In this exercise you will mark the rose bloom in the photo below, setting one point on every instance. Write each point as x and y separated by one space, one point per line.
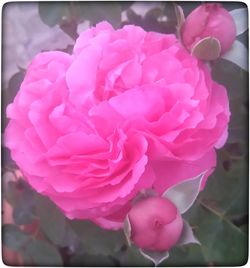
156 224
209 20
127 111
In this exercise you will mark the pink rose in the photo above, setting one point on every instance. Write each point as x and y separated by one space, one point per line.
88 174
209 20
129 110
156 224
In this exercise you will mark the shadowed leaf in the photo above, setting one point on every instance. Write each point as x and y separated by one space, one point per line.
222 242
42 253
53 13
52 221
13 237
97 240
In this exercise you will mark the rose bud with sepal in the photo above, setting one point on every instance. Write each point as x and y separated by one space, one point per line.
208 31
155 224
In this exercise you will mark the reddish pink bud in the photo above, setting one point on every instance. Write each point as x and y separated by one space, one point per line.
155 224
209 20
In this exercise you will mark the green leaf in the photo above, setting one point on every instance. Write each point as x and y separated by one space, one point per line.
70 240
223 201
91 260
21 197
222 243
13 237
188 255
133 18
132 257
42 253
244 228
238 119
235 80
52 221
24 210
10 192
96 240
226 191
9 94
99 11
232 77
52 13
34 252
125 4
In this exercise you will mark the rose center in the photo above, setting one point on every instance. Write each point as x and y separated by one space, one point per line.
158 224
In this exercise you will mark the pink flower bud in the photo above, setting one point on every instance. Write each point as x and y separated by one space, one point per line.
209 20
156 224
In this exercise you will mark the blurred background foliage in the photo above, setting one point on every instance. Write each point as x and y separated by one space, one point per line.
34 230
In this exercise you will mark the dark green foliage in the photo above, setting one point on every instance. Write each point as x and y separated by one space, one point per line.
219 217
33 251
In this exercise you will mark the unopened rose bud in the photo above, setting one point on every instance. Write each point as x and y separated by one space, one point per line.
155 224
209 20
